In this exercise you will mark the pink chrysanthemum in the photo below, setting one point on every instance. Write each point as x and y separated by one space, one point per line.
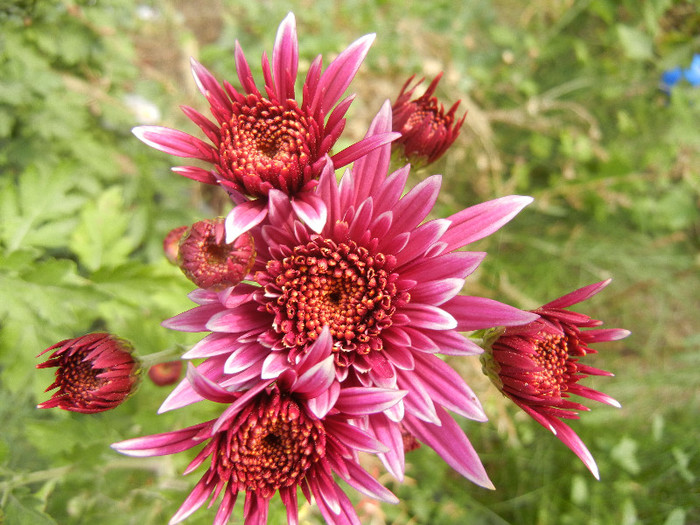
209 261
94 373
427 131
537 365
385 286
265 141
279 436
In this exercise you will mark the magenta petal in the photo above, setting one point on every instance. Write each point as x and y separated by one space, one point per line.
195 173
161 444
196 499
233 409
175 142
353 437
194 320
273 365
578 296
239 319
477 313
321 405
337 77
243 217
363 147
389 433
571 440
360 401
366 484
476 222
449 441
285 59
428 316
436 292
447 387
316 379
207 388
311 209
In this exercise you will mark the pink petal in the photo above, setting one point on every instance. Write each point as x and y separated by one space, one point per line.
428 316
195 173
578 296
210 88
337 77
244 217
311 209
389 433
436 292
449 441
477 313
285 59
353 437
245 77
359 401
207 388
363 147
366 484
175 142
476 222
161 444
194 320
196 499
446 387
371 169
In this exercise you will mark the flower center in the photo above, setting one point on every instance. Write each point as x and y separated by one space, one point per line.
270 446
77 379
557 369
265 146
339 285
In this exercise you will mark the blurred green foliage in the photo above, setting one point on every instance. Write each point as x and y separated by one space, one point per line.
564 104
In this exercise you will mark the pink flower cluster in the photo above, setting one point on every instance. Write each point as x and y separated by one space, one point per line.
326 305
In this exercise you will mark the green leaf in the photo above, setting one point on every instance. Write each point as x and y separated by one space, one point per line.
23 512
38 209
101 240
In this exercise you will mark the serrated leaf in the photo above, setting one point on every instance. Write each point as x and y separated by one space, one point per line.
102 240
20 512
38 208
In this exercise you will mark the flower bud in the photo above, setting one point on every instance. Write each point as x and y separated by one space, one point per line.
95 372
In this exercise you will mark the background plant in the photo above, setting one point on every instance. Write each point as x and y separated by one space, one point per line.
564 104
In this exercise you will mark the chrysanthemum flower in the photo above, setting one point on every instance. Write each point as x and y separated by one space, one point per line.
537 365
385 285
427 131
95 372
279 436
265 141
209 261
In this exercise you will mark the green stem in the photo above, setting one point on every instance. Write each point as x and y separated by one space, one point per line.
169 354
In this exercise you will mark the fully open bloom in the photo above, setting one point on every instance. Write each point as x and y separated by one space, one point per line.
209 261
264 141
385 285
537 365
427 131
94 373
278 436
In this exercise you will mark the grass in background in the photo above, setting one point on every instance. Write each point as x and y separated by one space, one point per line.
564 105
